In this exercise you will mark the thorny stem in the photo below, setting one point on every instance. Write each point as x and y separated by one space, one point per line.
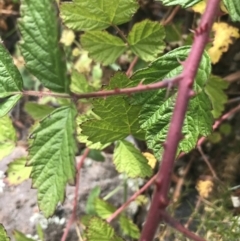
150 182
175 224
132 198
105 93
75 203
160 196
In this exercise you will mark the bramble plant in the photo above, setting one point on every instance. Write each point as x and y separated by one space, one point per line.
170 103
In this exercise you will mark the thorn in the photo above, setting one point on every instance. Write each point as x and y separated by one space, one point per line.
163 202
158 183
181 62
164 145
192 31
141 82
192 93
117 90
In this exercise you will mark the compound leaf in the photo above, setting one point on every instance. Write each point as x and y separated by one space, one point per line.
3 234
102 46
10 81
130 160
146 39
8 136
100 230
18 172
214 90
117 118
158 106
183 3
233 8
52 157
81 15
40 44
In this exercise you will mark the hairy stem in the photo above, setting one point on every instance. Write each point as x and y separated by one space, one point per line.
160 196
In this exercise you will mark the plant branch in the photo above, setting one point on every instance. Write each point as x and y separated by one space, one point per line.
120 32
75 203
105 93
160 197
132 198
131 90
175 224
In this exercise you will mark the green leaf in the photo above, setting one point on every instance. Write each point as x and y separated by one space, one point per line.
103 209
3 234
84 138
8 136
96 155
10 78
233 8
183 3
97 14
52 157
128 227
130 160
40 44
214 90
93 195
79 83
20 236
10 81
117 118
18 172
102 46
7 103
100 230
158 106
37 111
146 39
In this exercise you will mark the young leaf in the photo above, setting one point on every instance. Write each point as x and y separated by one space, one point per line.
233 8
130 160
40 47
36 111
157 108
18 172
117 118
214 90
20 236
52 157
128 227
93 195
100 230
3 234
8 136
79 83
146 39
103 208
10 81
102 46
183 3
81 15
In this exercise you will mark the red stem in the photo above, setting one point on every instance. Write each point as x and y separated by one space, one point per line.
75 203
175 224
160 196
